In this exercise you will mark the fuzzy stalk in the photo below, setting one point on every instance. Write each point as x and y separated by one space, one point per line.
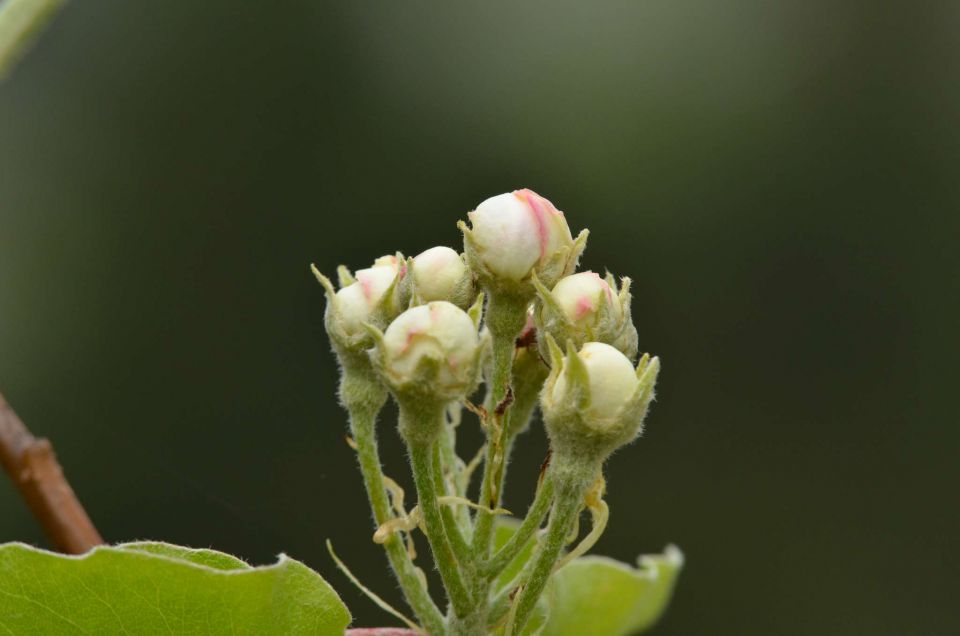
450 525
531 523
452 463
506 316
570 488
363 396
417 421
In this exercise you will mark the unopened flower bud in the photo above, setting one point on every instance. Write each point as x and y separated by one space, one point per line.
430 350
373 295
439 273
595 400
390 260
586 308
516 233
357 301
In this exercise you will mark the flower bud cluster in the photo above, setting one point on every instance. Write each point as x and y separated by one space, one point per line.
519 247
411 328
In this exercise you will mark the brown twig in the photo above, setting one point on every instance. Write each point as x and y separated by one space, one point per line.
33 468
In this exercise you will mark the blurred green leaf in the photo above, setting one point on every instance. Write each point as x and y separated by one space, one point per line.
601 596
147 588
20 22
505 529
597 595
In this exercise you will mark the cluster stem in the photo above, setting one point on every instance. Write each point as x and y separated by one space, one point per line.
363 396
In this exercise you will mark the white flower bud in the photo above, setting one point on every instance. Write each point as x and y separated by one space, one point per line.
594 400
584 307
432 349
612 382
439 273
515 233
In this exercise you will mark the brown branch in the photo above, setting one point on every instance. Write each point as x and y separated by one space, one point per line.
33 468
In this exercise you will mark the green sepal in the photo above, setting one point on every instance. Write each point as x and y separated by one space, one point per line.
344 276
577 376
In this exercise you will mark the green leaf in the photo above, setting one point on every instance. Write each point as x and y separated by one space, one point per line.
209 558
597 595
157 588
506 526
600 596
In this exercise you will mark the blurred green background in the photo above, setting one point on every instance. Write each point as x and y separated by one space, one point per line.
780 180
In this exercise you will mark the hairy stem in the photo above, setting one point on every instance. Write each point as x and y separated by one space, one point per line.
450 525
566 507
451 463
421 459
491 486
531 523
360 393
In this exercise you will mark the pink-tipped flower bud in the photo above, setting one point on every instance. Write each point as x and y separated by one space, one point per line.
430 349
357 301
374 295
514 234
584 307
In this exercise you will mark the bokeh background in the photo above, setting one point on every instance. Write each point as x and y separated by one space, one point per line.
780 180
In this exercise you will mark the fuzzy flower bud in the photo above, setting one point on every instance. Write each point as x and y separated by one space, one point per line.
586 308
595 400
439 273
373 295
430 350
517 233
357 300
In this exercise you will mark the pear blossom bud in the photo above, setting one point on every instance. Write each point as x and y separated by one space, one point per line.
595 400
357 301
515 233
374 295
432 350
439 273
389 260
612 381
584 307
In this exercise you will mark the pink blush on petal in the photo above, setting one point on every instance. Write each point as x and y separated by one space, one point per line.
366 285
584 307
539 207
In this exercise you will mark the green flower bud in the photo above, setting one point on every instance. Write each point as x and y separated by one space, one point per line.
586 308
439 273
594 400
515 234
